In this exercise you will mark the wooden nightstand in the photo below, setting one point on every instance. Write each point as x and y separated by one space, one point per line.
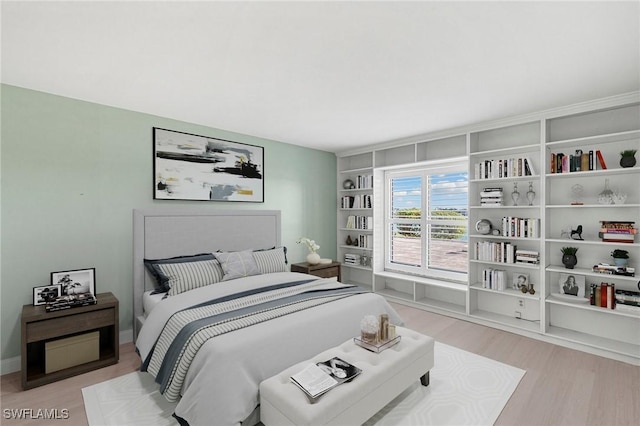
322 270
41 328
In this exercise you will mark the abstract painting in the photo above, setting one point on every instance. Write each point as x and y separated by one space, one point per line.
192 167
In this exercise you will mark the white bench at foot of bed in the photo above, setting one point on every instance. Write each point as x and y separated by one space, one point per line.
384 376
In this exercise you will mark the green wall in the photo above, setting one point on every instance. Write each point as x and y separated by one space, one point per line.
72 173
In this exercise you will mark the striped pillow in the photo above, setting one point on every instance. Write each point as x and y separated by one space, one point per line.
270 261
190 275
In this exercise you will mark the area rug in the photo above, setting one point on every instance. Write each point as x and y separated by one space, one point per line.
465 389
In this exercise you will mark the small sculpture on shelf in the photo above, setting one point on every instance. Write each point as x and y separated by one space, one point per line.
348 184
576 234
349 241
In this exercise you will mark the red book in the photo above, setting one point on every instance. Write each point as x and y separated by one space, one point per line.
603 295
603 165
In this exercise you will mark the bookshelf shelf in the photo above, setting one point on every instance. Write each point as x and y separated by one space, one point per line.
508 265
528 325
508 292
623 348
505 151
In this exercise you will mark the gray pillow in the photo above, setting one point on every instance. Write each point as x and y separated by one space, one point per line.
237 264
190 275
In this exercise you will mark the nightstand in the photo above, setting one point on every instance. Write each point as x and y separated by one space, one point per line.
322 270
75 340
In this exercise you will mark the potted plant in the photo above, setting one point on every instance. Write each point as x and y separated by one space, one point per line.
627 158
569 258
620 257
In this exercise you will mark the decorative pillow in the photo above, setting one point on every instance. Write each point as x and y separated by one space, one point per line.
272 260
162 281
190 275
237 264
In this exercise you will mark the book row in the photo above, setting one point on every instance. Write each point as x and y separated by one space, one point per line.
520 227
504 168
579 161
362 201
364 182
362 240
494 279
504 252
359 222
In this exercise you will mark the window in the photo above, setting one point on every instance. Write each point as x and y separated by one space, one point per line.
426 212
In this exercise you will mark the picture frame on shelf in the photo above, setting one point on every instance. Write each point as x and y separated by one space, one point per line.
78 281
572 285
203 168
46 294
520 279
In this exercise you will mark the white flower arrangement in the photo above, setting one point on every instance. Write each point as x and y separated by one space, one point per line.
370 324
311 244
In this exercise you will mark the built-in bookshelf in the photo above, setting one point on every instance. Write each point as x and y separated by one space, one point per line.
535 205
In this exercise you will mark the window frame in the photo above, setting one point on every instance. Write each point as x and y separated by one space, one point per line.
422 171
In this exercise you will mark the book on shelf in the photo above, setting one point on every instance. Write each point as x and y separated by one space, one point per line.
617 231
602 296
491 196
605 268
601 162
351 259
317 379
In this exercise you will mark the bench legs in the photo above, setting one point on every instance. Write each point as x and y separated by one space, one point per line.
425 379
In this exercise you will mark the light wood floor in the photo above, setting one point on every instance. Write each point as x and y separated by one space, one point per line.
561 386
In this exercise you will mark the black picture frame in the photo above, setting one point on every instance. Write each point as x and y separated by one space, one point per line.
203 168
46 294
77 281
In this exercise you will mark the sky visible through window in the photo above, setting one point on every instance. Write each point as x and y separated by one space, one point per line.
448 191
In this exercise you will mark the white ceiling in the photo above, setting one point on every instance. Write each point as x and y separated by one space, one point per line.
327 75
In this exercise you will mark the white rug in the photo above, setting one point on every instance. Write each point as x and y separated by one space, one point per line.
465 389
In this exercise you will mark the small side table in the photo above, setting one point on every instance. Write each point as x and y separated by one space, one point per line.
322 270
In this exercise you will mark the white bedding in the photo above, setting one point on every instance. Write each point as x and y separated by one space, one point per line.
221 386
150 300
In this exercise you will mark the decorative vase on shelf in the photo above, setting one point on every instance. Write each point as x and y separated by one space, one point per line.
606 196
569 260
515 195
349 241
628 158
531 194
313 258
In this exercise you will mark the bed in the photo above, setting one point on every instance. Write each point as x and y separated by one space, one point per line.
261 324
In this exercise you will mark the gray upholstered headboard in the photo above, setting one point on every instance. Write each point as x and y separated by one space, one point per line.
166 232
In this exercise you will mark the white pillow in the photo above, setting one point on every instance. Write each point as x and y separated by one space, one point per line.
237 264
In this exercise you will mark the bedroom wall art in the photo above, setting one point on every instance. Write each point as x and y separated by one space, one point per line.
193 167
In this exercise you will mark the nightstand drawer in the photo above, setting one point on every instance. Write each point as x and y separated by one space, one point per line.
327 272
56 327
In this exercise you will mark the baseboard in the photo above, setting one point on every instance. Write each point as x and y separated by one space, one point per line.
11 365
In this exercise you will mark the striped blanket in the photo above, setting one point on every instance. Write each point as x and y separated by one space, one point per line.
189 329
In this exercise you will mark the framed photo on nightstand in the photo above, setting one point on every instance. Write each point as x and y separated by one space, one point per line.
79 281
46 294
